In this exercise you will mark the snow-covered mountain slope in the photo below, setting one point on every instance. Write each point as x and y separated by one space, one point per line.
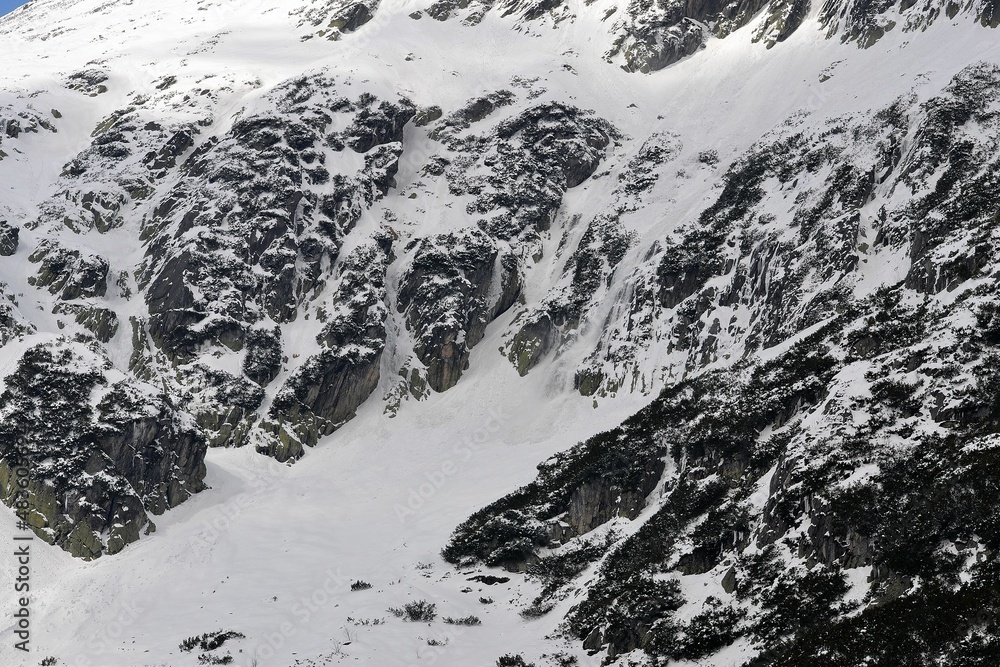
291 291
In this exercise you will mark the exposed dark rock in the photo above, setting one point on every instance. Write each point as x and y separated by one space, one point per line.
101 322
536 338
783 18
69 273
326 390
445 294
225 405
599 251
533 158
166 157
95 471
659 44
262 362
427 115
89 82
352 18
12 323
474 111
989 13
172 309
8 238
336 18
375 125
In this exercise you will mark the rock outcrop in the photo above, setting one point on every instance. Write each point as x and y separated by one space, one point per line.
761 473
326 390
100 454
455 286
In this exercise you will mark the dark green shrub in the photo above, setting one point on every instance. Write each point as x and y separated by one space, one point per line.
420 611
465 620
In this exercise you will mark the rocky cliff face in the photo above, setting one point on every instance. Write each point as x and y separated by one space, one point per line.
100 452
646 35
762 478
796 295
328 387
456 286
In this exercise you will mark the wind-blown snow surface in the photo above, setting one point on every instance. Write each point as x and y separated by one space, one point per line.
270 550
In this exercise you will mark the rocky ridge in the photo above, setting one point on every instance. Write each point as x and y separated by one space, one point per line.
769 467
222 259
